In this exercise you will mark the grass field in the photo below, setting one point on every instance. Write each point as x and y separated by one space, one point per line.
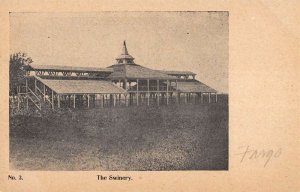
184 137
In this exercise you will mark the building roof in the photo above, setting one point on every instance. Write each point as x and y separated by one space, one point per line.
193 86
177 72
82 86
68 68
134 71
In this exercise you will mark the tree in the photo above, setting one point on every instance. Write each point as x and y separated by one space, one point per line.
17 63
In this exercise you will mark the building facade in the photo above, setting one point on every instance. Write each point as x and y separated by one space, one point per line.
124 83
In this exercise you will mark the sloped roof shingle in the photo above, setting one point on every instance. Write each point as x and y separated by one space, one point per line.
193 87
69 68
177 72
134 71
82 86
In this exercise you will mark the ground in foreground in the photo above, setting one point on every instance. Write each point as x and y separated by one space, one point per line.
184 137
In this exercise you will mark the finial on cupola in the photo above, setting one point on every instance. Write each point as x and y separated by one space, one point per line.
125 51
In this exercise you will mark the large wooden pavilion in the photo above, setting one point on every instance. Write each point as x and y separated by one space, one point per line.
122 84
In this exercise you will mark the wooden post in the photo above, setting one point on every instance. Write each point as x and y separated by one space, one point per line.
194 97
35 85
148 94
74 101
125 84
52 96
167 92
58 101
126 103
186 97
157 92
94 99
26 83
18 98
216 98
88 100
101 100
27 104
137 92
111 100
201 97
177 95
208 97
44 93
114 99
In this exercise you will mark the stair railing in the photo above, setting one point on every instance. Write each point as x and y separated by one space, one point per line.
44 96
39 105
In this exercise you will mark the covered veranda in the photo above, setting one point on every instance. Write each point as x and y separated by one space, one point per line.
66 93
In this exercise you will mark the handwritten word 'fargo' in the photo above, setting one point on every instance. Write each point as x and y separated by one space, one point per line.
262 154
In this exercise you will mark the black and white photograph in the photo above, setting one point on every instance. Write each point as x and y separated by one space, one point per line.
119 91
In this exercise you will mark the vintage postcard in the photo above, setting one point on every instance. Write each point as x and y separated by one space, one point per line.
82 98
149 100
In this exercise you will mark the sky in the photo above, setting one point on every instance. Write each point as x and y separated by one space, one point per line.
189 41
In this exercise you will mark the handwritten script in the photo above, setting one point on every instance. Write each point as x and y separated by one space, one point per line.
265 155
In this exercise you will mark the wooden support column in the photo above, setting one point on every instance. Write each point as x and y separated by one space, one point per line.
27 104
126 103
137 92
186 97
101 100
111 100
148 94
129 98
52 97
18 99
74 101
114 99
208 97
35 85
125 84
157 95
88 100
216 98
26 83
95 97
44 93
201 97
58 101
177 95
167 92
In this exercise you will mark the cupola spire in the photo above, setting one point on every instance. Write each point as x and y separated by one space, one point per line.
125 51
125 58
